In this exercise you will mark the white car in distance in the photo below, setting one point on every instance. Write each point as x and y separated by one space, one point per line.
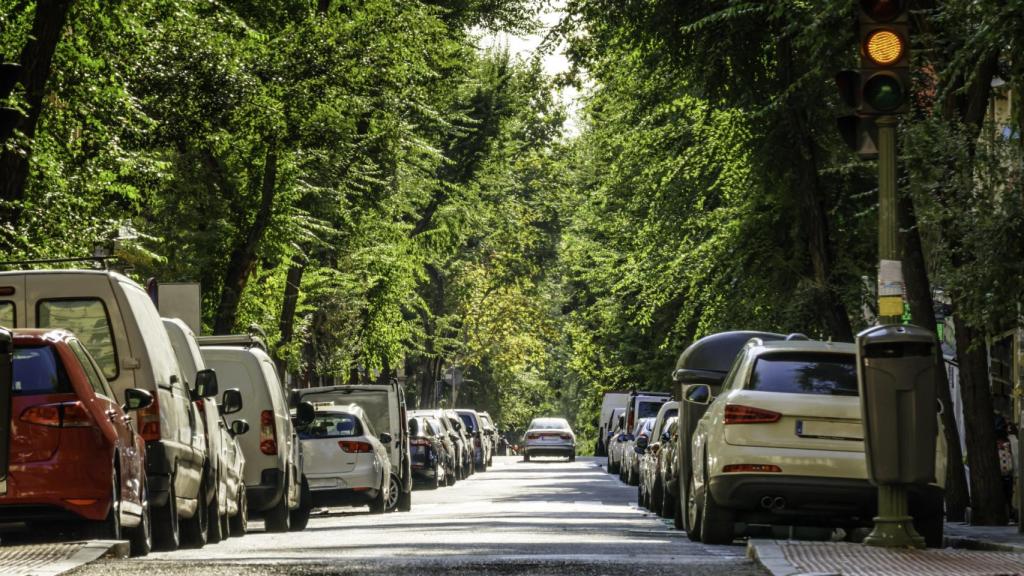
549 437
345 459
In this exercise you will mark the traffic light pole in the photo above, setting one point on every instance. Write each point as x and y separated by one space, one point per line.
894 527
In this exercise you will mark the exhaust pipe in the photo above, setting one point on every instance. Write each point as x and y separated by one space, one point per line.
766 502
778 503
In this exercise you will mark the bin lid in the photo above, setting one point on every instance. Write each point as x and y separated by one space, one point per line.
896 333
715 353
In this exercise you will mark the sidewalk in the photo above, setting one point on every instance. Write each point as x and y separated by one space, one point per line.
58 558
970 551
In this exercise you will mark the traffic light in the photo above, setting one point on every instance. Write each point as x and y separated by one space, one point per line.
9 117
884 57
858 130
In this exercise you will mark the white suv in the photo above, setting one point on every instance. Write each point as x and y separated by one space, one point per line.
783 444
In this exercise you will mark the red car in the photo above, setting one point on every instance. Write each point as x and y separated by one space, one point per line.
74 455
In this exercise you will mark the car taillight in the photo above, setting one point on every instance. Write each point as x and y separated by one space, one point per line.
149 421
565 436
355 446
739 414
268 433
532 436
419 442
61 415
751 468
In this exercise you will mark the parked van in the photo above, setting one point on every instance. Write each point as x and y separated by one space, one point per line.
612 404
643 405
384 404
119 325
274 483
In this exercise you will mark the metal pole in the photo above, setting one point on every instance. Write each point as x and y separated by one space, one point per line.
894 527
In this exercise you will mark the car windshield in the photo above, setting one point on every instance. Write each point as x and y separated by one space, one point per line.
331 425
549 424
647 409
805 373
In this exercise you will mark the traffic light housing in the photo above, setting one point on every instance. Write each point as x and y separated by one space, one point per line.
884 41
9 117
858 130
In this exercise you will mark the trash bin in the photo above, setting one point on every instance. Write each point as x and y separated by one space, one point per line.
896 379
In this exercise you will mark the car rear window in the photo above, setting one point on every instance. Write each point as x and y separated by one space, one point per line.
88 319
38 371
801 373
648 409
549 424
469 421
332 425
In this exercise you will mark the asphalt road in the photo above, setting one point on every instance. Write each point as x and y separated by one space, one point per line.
544 517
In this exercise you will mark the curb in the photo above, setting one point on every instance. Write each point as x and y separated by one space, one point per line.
769 555
89 552
967 543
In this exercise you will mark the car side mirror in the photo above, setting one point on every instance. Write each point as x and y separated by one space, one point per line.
665 436
136 399
304 413
641 444
239 427
384 438
698 394
231 401
206 383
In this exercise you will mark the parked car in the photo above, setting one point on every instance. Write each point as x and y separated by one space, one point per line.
75 454
431 462
650 490
463 441
612 404
346 458
783 444
629 471
115 319
549 437
384 405
490 434
606 432
616 442
481 448
449 442
233 464
274 480
669 472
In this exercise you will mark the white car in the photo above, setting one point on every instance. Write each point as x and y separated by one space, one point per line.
549 437
346 460
783 445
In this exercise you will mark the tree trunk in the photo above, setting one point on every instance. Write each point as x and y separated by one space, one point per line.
292 284
243 257
922 310
988 507
36 60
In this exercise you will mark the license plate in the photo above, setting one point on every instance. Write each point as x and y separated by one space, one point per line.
829 430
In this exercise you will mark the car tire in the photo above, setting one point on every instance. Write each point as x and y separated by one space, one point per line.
166 523
110 527
404 501
379 504
655 496
929 518
693 513
717 524
394 490
240 522
196 530
613 467
300 516
141 537
526 457
640 500
278 518
214 530
668 503
677 514
572 457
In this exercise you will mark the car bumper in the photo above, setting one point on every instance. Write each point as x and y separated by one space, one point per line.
343 497
550 448
267 493
39 491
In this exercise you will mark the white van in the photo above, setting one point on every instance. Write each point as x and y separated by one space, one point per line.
118 323
384 404
274 483
611 403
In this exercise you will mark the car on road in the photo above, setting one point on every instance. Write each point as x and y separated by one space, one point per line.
474 428
650 490
549 437
432 464
668 470
629 470
490 433
75 454
783 444
274 481
346 458
117 322
384 406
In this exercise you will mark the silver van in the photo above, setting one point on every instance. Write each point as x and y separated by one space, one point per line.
275 487
116 320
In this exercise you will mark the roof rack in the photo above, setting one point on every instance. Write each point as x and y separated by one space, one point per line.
243 340
100 260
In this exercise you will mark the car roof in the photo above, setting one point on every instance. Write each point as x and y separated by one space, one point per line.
353 409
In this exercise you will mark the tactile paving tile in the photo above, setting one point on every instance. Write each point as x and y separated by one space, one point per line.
18 559
859 560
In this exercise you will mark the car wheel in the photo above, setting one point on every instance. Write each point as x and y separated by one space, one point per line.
572 456
717 524
613 467
240 522
435 482
166 526
214 532
379 504
404 501
526 457
693 519
300 516
655 496
640 502
668 502
393 491
141 537
278 518
195 530
110 527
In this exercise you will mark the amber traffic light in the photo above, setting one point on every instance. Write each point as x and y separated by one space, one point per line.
884 57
